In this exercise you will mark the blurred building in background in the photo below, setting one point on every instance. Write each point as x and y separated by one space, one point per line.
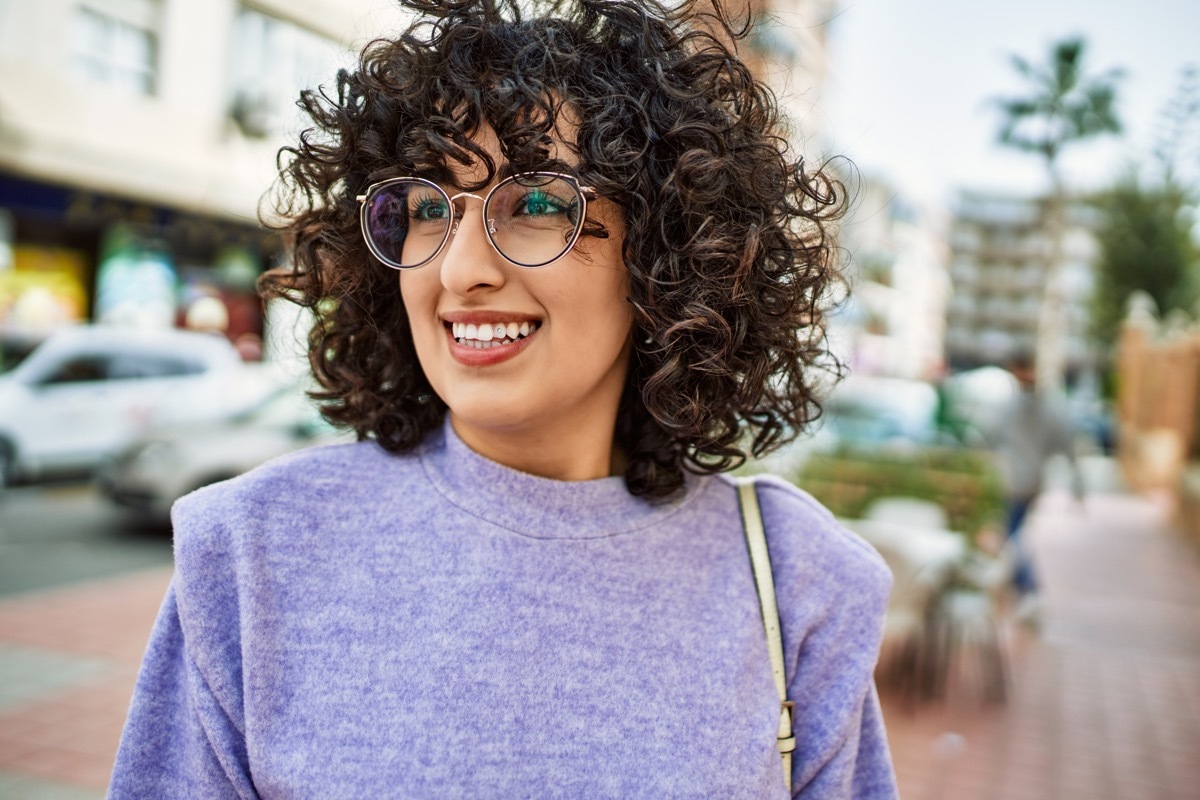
894 322
999 277
787 48
136 140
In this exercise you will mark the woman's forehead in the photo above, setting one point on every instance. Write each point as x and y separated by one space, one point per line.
559 157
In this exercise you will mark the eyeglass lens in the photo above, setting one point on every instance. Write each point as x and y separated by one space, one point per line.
531 219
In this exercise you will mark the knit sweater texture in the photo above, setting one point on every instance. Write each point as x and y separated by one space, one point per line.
348 623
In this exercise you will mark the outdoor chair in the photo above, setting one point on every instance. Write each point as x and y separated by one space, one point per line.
908 511
923 561
942 624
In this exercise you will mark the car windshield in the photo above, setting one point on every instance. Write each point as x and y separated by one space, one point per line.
14 349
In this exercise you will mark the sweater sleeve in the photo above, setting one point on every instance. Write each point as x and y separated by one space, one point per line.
178 740
857 766
838 717
833 589
185 733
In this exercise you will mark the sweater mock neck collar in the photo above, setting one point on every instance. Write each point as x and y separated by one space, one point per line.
539 507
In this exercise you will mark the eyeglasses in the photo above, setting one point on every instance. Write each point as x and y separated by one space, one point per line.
532 219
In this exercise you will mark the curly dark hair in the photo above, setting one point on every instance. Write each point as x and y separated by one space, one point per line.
732 268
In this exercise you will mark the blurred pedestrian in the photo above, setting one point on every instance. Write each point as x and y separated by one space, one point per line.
1034 427
563 272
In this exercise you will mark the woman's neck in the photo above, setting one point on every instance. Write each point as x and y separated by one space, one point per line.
558 452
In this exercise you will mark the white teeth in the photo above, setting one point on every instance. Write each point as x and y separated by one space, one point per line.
491 334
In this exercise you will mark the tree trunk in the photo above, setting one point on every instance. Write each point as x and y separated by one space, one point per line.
1052 323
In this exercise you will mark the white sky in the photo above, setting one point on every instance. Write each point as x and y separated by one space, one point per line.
910 83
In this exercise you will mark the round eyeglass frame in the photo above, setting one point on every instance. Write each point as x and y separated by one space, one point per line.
489 225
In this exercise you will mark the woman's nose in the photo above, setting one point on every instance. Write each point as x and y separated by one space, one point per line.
469 262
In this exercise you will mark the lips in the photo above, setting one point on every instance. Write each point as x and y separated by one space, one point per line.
479 339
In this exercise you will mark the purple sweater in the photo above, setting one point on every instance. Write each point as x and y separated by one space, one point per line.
345 623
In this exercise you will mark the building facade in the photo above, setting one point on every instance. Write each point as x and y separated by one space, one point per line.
894 251
137 138
787 48
999 274
894 321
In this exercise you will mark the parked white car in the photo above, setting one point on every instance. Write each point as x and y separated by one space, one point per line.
154 472
87 392
16 344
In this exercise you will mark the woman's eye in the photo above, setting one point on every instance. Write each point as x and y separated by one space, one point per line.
538 204
429 211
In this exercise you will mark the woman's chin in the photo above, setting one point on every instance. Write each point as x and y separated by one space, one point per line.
484 419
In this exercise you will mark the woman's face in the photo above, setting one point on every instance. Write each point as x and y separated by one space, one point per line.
559 383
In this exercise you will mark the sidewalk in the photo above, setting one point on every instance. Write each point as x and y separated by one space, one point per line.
1105 702
68 661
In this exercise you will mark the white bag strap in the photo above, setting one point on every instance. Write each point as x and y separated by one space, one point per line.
760 561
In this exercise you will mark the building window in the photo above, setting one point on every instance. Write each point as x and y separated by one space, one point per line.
272 61
115 42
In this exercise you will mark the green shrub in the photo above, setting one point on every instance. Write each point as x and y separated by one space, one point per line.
963 482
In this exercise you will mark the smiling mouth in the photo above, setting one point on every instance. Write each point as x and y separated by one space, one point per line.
493 334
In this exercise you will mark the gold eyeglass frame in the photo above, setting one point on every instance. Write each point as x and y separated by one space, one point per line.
585 193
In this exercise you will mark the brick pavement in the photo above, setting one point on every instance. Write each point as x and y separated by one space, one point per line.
1104 702
68 661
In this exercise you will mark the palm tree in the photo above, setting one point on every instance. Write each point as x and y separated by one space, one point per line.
1063 106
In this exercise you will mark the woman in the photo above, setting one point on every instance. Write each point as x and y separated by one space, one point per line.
561 274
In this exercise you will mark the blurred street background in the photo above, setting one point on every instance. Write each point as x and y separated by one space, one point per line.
1024 181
